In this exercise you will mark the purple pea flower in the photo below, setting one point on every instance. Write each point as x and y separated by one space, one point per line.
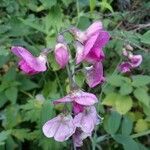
28 63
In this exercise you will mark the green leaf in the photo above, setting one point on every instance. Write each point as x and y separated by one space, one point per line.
145 38
47 112
12 117
141 125
92 5
140 80
48 3
110 99
21 134
27 84
3 136
125 89
127 142
11 93
116 80
123 104
80 78
142 96
113 122
10 75
127 125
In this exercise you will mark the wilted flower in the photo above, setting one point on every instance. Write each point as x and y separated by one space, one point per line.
79 136
61 54
28 63
87 120
125 67
133 61
92 40
60 127
94 74
80 97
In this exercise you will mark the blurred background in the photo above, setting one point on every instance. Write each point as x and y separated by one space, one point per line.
25 100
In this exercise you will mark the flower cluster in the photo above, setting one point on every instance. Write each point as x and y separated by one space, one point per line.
132 61
89 44
81 126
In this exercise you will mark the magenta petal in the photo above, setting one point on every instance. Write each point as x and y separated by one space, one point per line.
102 39
94 74
77 108
22 52
26 68
61 54
84 98
125 67
93 28
90 43
65 99
36 64
60 127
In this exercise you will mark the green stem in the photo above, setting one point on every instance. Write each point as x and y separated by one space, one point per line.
59 84
78 11
140 134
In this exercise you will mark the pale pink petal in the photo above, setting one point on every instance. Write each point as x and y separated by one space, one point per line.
65 99
135 60
93 28
79 52
65 130
84 98
86 120
61 54
60 127
50 127
94 74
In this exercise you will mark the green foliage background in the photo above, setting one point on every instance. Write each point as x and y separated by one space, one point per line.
124 100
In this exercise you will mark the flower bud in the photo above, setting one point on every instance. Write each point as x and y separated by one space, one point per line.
61 54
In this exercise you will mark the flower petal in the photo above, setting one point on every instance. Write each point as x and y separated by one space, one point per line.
135 60
84 98
93 28
65 130
51 127
94 74
65 99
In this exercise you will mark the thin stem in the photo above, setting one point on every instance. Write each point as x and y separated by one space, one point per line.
59 84
140 134
28 94
78 11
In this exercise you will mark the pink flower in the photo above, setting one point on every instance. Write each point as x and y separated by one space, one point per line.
61 54
87 120
94 74
135 60
60 127
92 41
28 63
80 97
79 136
